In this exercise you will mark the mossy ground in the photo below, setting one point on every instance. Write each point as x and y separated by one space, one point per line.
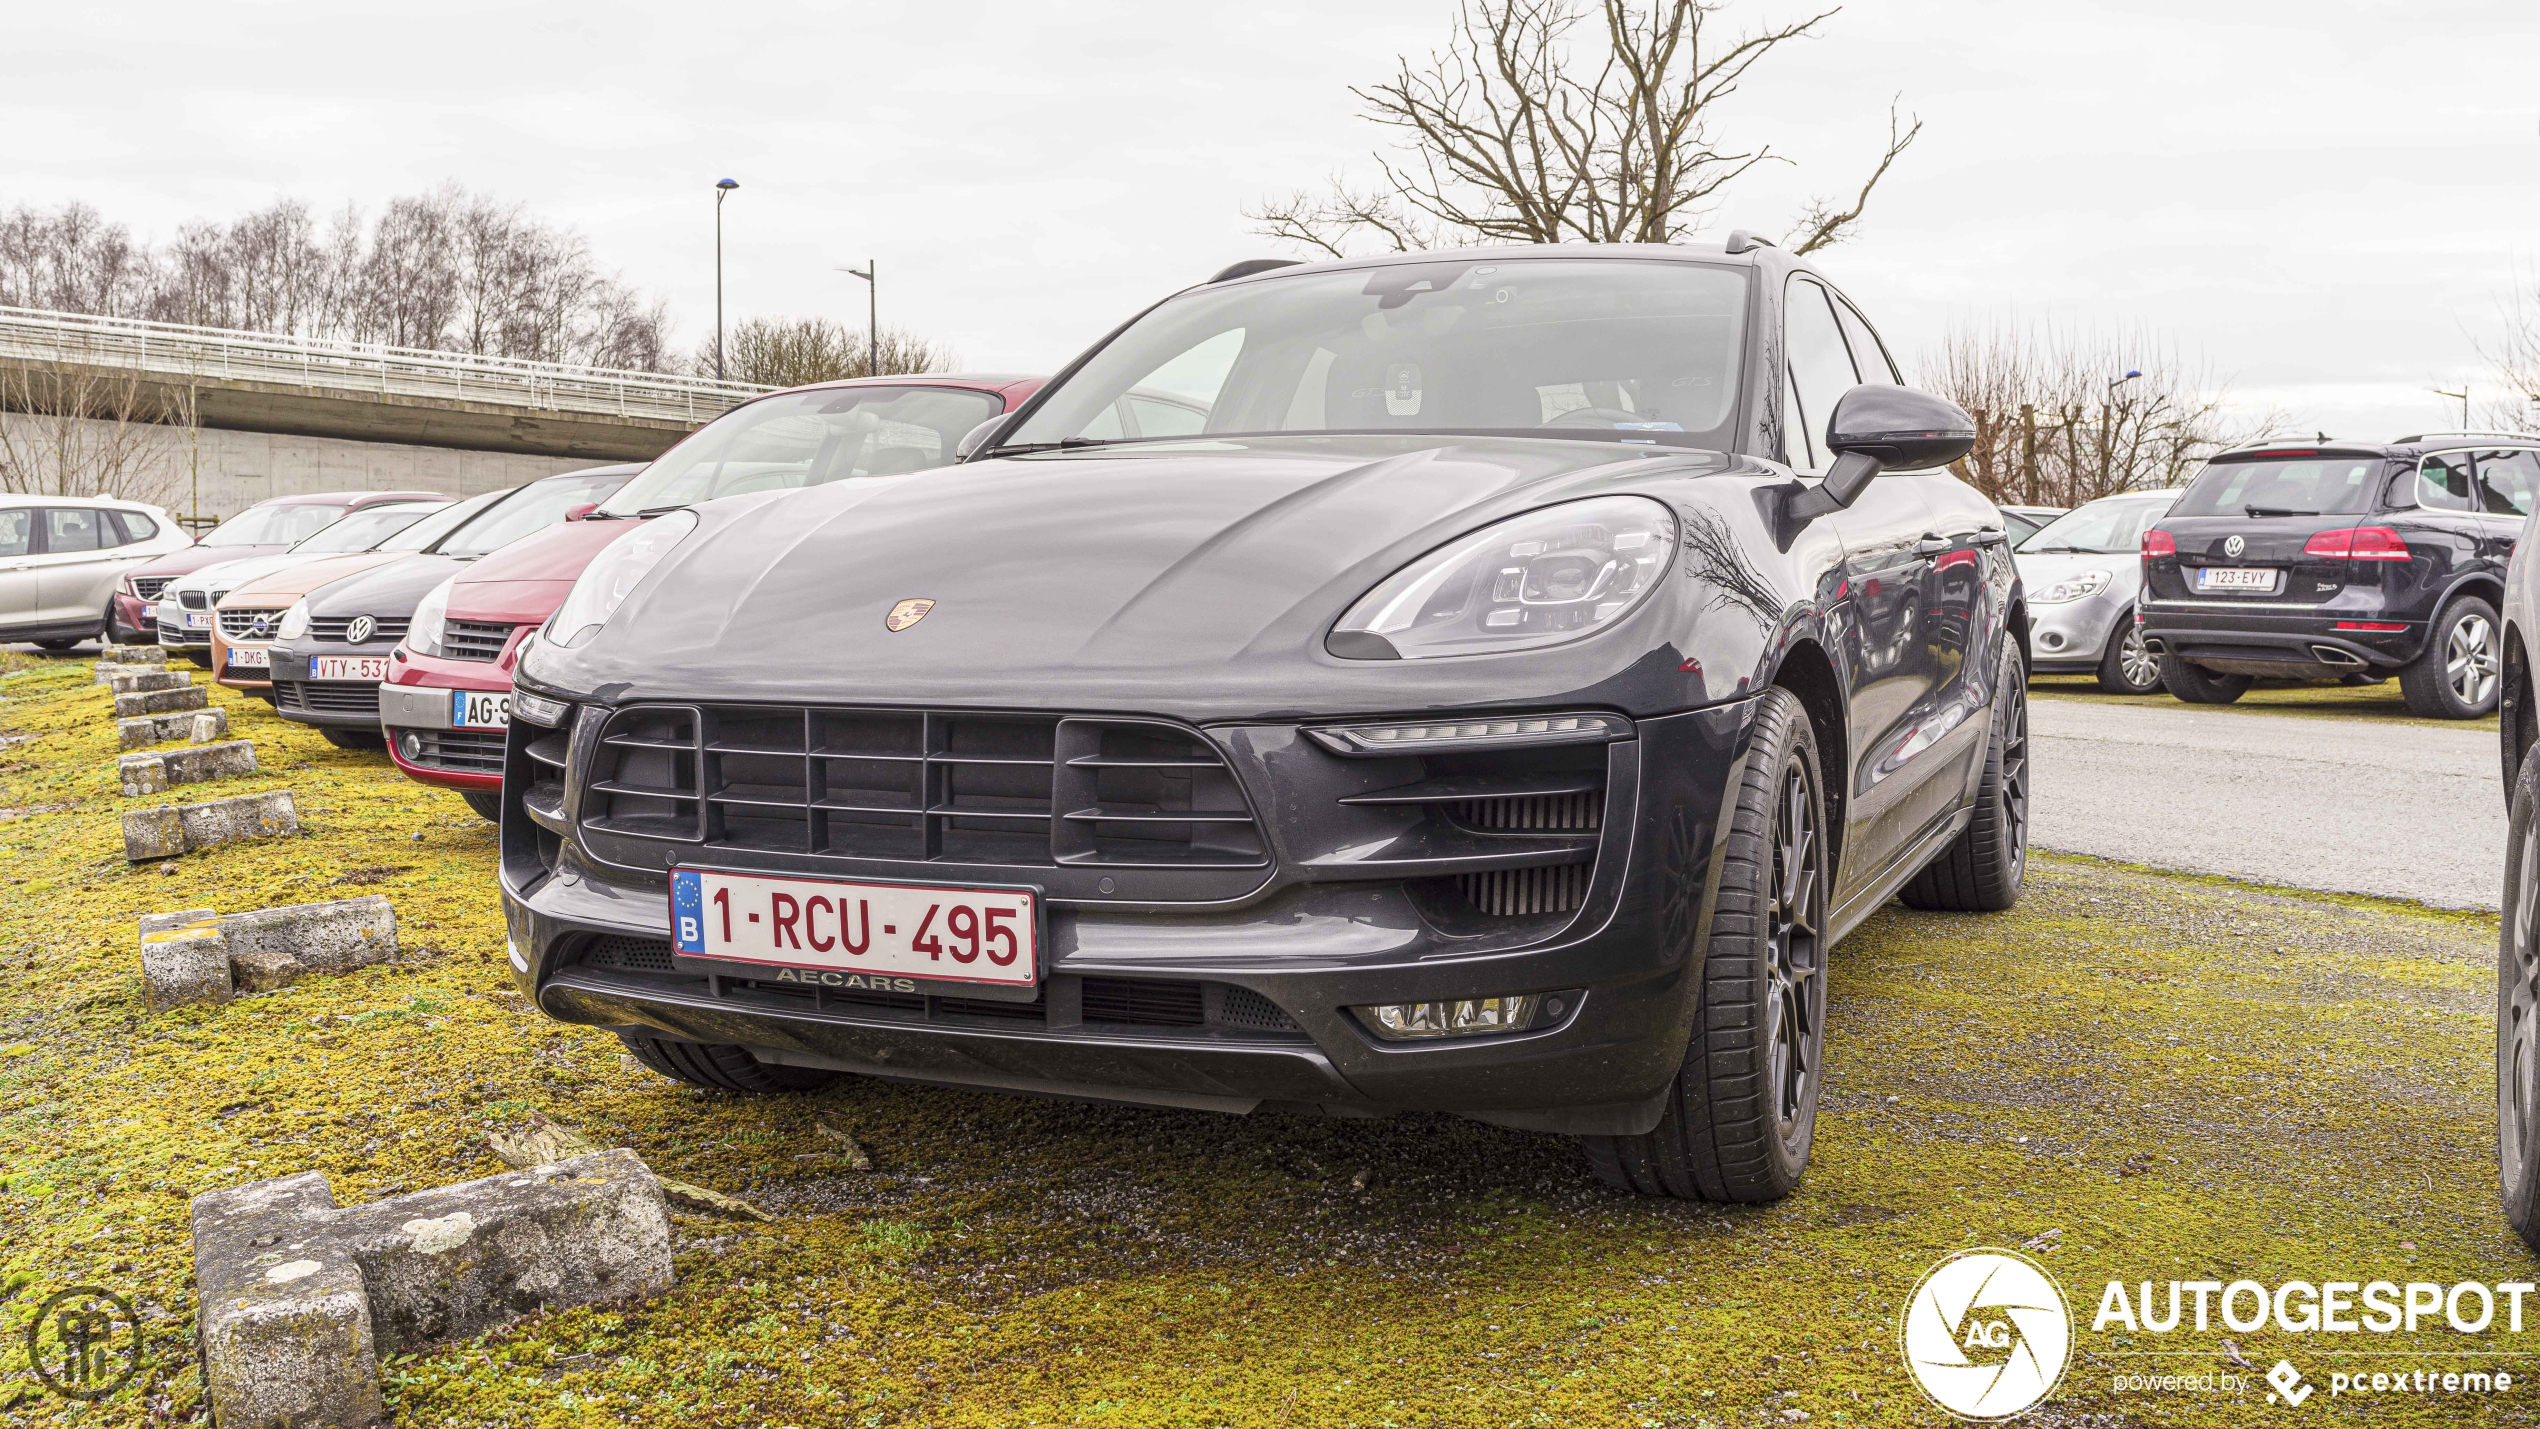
2300 698
2186 1078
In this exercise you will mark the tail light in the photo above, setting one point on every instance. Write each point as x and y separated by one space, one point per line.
2157 542
2362 543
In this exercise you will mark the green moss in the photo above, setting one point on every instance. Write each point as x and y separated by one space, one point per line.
2184 1077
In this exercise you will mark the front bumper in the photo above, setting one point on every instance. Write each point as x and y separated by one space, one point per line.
174 635
328 704
1625 966
130 620
417 713
2307 645
2073 636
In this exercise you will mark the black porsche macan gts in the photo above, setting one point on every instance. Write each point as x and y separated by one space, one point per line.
1497 697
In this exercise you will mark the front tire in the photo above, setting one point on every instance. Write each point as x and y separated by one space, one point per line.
721 1068
2199 686
350 738
2518 1011
488 806
1980 871
2128 668
2458 675
1741 1113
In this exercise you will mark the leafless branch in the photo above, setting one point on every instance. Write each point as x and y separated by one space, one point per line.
1821 225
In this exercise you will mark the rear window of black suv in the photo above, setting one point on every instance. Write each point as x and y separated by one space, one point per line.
2308 484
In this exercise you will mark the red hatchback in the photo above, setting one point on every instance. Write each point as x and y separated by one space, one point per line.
447 700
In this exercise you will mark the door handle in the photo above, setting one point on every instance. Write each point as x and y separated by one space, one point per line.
1930 545
1992 538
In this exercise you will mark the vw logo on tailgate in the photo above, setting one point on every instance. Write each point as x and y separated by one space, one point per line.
2234 546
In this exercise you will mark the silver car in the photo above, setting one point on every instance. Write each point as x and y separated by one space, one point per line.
61 555
2083 572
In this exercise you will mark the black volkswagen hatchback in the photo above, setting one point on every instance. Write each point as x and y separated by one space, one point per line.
1500 705
2342 561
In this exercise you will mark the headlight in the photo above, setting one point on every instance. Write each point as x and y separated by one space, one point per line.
1539 579
2072 588
613 574
295 622
431 621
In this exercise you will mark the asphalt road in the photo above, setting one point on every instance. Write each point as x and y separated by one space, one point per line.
2402 811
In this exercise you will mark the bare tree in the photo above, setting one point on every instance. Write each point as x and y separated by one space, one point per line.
789 352
71 428
72 261
1521 132
2515 362
2059 422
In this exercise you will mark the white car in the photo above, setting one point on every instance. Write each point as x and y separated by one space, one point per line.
60 557
184 621
2083 572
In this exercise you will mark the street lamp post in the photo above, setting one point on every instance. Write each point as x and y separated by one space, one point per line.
2461 397
872 316
722 190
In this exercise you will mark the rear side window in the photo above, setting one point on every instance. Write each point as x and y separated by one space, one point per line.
136 527
2444 483
2507 481
17 524
1867 354
2282 486
75 528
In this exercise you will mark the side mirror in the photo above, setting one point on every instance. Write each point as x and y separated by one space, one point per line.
976 438
576 513
1879 428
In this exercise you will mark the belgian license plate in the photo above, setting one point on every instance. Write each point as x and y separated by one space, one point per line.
196 619
348 667
2261 579
250 657
480 709
833 933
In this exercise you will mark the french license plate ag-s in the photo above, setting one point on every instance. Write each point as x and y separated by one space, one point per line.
841 933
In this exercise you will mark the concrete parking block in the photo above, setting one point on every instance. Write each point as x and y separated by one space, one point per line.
125 683
301 1299
261 951
197 726
185 965
153 702
206 726
133 655
142 773
152 771
174 829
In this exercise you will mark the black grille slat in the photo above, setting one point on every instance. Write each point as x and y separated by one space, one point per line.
650 955
1246 1008
148 587
474 639
360 699
332 628
241 624
1138 1003
1533 814
194 599
461 751
1525 892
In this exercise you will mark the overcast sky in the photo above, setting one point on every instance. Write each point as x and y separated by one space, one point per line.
2327 203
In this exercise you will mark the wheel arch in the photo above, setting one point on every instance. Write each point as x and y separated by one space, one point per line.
2517 723
1808 673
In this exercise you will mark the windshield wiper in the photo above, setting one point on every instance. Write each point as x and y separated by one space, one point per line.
2063 550
2276 511
595 514
649 512
1062 444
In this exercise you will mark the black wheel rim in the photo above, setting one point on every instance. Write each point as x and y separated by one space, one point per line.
2518 1014
2014 718
1795 991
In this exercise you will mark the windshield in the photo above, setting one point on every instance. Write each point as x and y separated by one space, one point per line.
274 524
364 530
1557 347
2282 486
440 523
2110 526
534 507
810 439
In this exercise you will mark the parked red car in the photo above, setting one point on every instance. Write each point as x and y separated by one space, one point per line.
267 528
447 700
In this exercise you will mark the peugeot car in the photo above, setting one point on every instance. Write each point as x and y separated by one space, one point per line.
2083 572
1500 706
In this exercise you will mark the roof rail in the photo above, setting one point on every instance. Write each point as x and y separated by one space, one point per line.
2468 432
1250 266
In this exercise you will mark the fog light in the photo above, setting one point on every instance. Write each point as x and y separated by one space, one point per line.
1465 1017
412 744
538 709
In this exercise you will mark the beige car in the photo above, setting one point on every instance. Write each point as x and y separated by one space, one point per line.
248 615
60 557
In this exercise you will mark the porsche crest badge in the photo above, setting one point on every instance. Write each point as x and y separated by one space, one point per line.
906 614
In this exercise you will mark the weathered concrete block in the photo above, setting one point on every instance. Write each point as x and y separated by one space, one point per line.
107 673
206 726
144 680
272 948
209 761
143 773
132 655
301 1299
198 726
174 829
151 702
185 964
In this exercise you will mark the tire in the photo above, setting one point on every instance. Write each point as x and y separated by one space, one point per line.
1741 1113
1981 870
721 1068
351 738
2128 668
488 806
2518 1011
2198 685
56 647
2460 672
200 657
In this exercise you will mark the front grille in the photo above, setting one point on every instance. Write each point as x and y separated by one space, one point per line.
148 587
327 698
177 635
332 627
241 624
1246 1008
194 599
923 786
465 751
1538 813
1143 1004
474 640
1524 892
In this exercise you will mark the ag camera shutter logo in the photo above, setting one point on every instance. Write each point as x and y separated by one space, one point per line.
1986 1334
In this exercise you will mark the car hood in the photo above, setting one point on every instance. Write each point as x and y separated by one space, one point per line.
392 590
1129 577
292 580
2040 569
557 553
195 558
229 575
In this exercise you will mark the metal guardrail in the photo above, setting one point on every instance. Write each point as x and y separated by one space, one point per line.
219 354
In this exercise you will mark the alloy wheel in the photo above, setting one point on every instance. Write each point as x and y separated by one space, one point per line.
2141 668
1795 995
2469 660
2518 1019
2014 717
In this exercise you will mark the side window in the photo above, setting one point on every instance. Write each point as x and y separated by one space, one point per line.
136 527
17 524
74 528
2507 481
1820 365
1867 354
1158 418
2443 482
